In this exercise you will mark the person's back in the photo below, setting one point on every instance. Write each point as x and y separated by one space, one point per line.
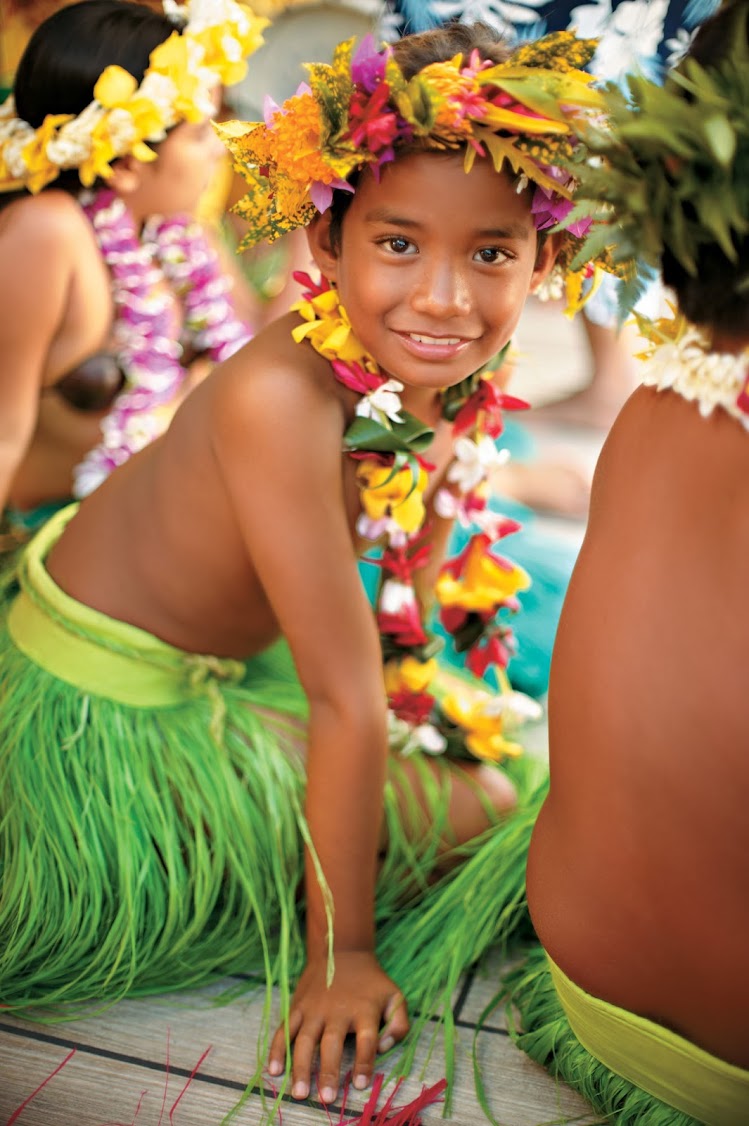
107 282
639 862
639 865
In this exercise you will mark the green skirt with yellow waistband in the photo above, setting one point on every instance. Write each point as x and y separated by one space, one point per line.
151 825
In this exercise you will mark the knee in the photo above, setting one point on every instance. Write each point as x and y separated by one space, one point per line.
480 794
497 788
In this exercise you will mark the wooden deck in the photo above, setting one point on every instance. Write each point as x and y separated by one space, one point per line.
184 1060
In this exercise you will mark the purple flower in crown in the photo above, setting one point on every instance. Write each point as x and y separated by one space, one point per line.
368 64
549 208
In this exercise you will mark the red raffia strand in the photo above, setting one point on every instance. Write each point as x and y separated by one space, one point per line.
192 1075
17 1113
389 1115
166 1078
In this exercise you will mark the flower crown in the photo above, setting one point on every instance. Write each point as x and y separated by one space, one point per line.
670 166
359 111
182 73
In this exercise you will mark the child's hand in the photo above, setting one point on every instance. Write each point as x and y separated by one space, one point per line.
361 1000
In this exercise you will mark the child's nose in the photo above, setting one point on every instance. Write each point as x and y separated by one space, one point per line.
441 290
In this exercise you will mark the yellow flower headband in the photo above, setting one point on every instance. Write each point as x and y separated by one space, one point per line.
359 111
182 74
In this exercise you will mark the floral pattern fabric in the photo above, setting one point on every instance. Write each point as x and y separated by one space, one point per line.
636 36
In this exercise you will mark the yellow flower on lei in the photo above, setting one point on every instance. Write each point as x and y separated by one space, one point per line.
329 330
409 675
385 493
485 582
473 711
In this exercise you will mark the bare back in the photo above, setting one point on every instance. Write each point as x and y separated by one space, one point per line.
55 293
639 865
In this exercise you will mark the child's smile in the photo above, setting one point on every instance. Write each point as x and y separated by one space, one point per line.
435 265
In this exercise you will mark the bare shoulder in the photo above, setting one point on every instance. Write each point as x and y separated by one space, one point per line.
274 384
50 220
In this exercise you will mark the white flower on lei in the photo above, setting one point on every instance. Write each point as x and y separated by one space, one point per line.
396 596
406 739
383 403
515 708
628 36
492 524
474 461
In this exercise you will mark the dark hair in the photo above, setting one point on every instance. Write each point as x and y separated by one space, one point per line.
413 53
68 52
716 295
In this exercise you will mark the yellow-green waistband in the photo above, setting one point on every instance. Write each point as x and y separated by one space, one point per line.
655 1059
94 652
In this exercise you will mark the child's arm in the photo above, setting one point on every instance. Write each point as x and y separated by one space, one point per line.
283 472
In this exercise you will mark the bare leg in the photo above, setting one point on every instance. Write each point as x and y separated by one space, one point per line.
478 795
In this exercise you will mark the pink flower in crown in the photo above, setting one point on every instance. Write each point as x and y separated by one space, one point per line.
503 100
549 208
373 126
368 64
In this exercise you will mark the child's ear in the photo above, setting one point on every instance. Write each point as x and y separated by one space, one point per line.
545 259
321 246
125 178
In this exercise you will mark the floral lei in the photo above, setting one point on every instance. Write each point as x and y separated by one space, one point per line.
174 249
472 589
679 358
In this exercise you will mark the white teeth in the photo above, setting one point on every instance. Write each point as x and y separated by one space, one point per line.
434 339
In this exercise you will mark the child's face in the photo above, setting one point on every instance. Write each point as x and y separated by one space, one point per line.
175 181
435 265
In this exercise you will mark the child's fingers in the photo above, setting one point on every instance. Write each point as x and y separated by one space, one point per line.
303 1055
366 1048
396 1023
331 1050
277 1053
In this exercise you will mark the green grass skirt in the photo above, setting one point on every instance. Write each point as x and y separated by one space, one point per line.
148 848
544 1033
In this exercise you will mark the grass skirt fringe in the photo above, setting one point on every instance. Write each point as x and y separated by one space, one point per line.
154 848
545 1035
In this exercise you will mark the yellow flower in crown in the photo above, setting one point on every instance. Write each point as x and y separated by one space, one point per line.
178 60
409 675
41 170
477 581
179 85
454 93
388 492
132 117
479 715
226 46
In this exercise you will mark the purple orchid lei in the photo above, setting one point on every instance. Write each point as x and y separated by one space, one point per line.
147 338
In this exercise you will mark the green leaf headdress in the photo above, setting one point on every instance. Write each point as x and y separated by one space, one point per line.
669 168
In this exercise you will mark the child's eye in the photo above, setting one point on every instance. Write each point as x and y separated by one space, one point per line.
399 245
490 254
